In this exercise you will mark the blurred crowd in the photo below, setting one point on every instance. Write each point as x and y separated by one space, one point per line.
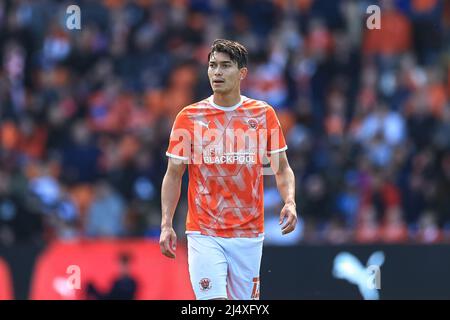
85 114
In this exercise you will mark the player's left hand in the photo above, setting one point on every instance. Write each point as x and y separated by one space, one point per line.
288 214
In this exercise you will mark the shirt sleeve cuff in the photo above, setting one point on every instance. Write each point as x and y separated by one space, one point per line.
278 150
176 157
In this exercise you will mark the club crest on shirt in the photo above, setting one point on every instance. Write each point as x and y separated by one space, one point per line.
252 123
205 284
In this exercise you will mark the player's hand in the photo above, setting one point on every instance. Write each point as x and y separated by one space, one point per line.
168 242
289 216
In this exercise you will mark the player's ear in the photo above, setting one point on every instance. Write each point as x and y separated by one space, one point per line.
243 72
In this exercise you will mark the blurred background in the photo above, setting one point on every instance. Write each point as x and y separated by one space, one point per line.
85 117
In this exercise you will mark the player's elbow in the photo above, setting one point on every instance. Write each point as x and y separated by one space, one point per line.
173 176
284 171
283 168
175 170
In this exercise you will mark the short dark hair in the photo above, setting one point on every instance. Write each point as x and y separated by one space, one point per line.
237 52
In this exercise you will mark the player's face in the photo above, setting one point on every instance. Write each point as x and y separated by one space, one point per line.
224 74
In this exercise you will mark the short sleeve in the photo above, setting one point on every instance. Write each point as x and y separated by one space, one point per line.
275 138
180 138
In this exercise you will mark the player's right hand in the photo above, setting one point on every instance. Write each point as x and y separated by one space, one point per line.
168 242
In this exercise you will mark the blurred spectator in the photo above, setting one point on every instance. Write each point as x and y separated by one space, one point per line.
80 158
381 195
20 222
66 218
387 125
336 231
427 29
368 227
428 231
106 214
442 190
394 228
420 121
315 201
348 199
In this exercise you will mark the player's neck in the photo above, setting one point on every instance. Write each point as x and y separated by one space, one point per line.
227 100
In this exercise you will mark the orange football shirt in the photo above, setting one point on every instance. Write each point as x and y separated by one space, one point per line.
227 151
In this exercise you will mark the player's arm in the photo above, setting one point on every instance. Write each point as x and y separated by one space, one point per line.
170 194
286 187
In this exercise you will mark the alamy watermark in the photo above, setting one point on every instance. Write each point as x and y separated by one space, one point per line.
374 20
373 277
367 277
73 21
205 145
74 279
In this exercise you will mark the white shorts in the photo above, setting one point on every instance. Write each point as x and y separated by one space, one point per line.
224 267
